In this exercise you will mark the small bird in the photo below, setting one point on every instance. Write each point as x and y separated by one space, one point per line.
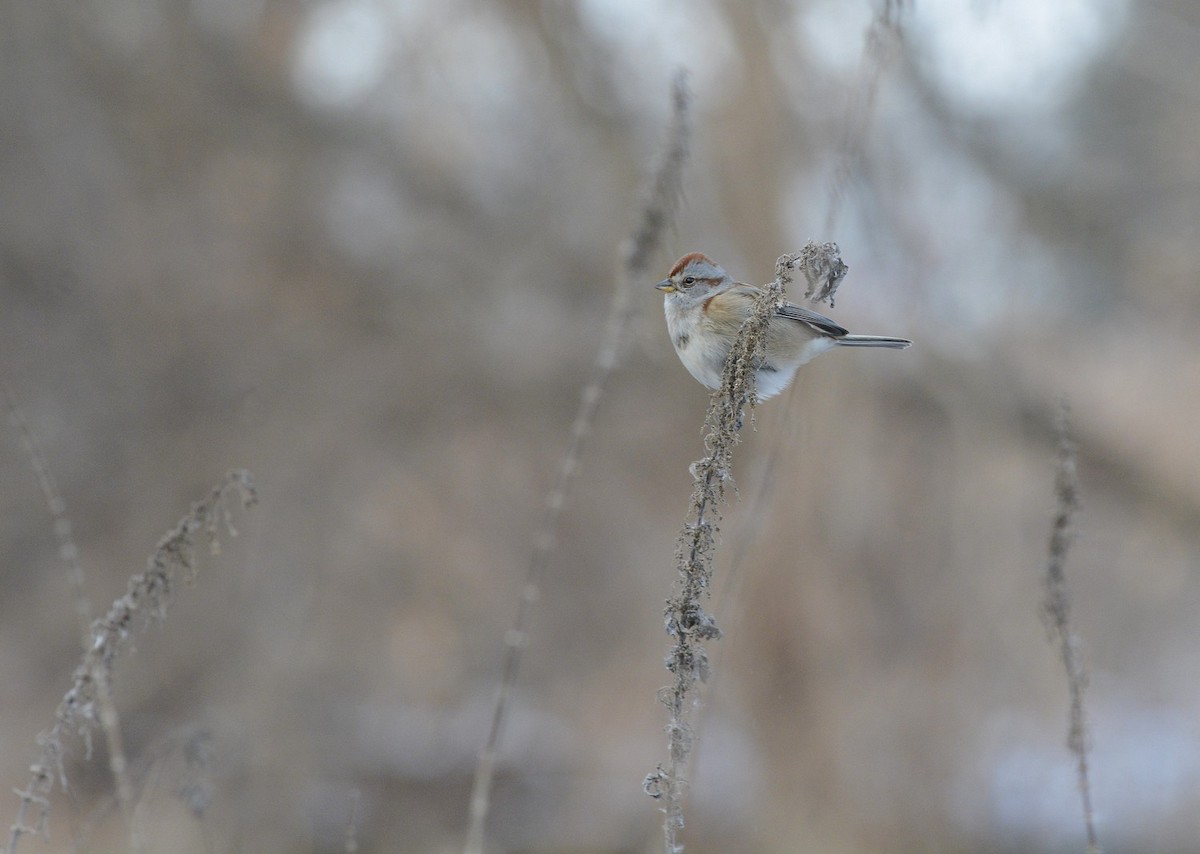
705 309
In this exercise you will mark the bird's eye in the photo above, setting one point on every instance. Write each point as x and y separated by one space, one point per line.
690 280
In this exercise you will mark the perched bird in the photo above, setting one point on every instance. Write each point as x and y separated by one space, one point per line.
705 309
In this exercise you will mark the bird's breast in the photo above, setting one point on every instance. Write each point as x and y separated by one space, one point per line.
700 351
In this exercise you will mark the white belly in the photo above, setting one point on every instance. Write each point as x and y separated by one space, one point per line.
704 356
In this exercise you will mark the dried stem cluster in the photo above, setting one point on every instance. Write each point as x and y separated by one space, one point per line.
147 598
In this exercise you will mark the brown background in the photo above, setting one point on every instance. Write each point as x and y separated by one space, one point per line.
364 249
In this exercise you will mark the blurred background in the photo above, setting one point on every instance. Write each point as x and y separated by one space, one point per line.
364 248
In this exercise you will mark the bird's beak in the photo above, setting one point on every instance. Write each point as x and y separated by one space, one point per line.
665 286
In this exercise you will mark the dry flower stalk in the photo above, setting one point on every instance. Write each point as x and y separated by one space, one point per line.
687 623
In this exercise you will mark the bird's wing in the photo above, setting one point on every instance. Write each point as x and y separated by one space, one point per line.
818 321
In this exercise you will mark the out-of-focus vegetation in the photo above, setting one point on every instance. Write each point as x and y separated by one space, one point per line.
365 249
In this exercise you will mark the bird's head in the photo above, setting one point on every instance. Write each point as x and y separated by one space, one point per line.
694 278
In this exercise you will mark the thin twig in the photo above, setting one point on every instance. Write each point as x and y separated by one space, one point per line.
657 213
350 839
1056 611
68 552
189 745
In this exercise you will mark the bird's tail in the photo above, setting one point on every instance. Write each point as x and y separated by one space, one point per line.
872 341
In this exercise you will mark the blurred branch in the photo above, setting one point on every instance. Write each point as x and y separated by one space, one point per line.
881 43
147 597
657 212
1056 610
68 552
350 838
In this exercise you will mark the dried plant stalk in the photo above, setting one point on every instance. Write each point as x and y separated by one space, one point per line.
147 597
657 213
68 552
1056 611
687 623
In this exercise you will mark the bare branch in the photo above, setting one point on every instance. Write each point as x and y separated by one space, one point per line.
1056 611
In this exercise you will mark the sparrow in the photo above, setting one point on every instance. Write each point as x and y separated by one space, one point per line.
705 308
